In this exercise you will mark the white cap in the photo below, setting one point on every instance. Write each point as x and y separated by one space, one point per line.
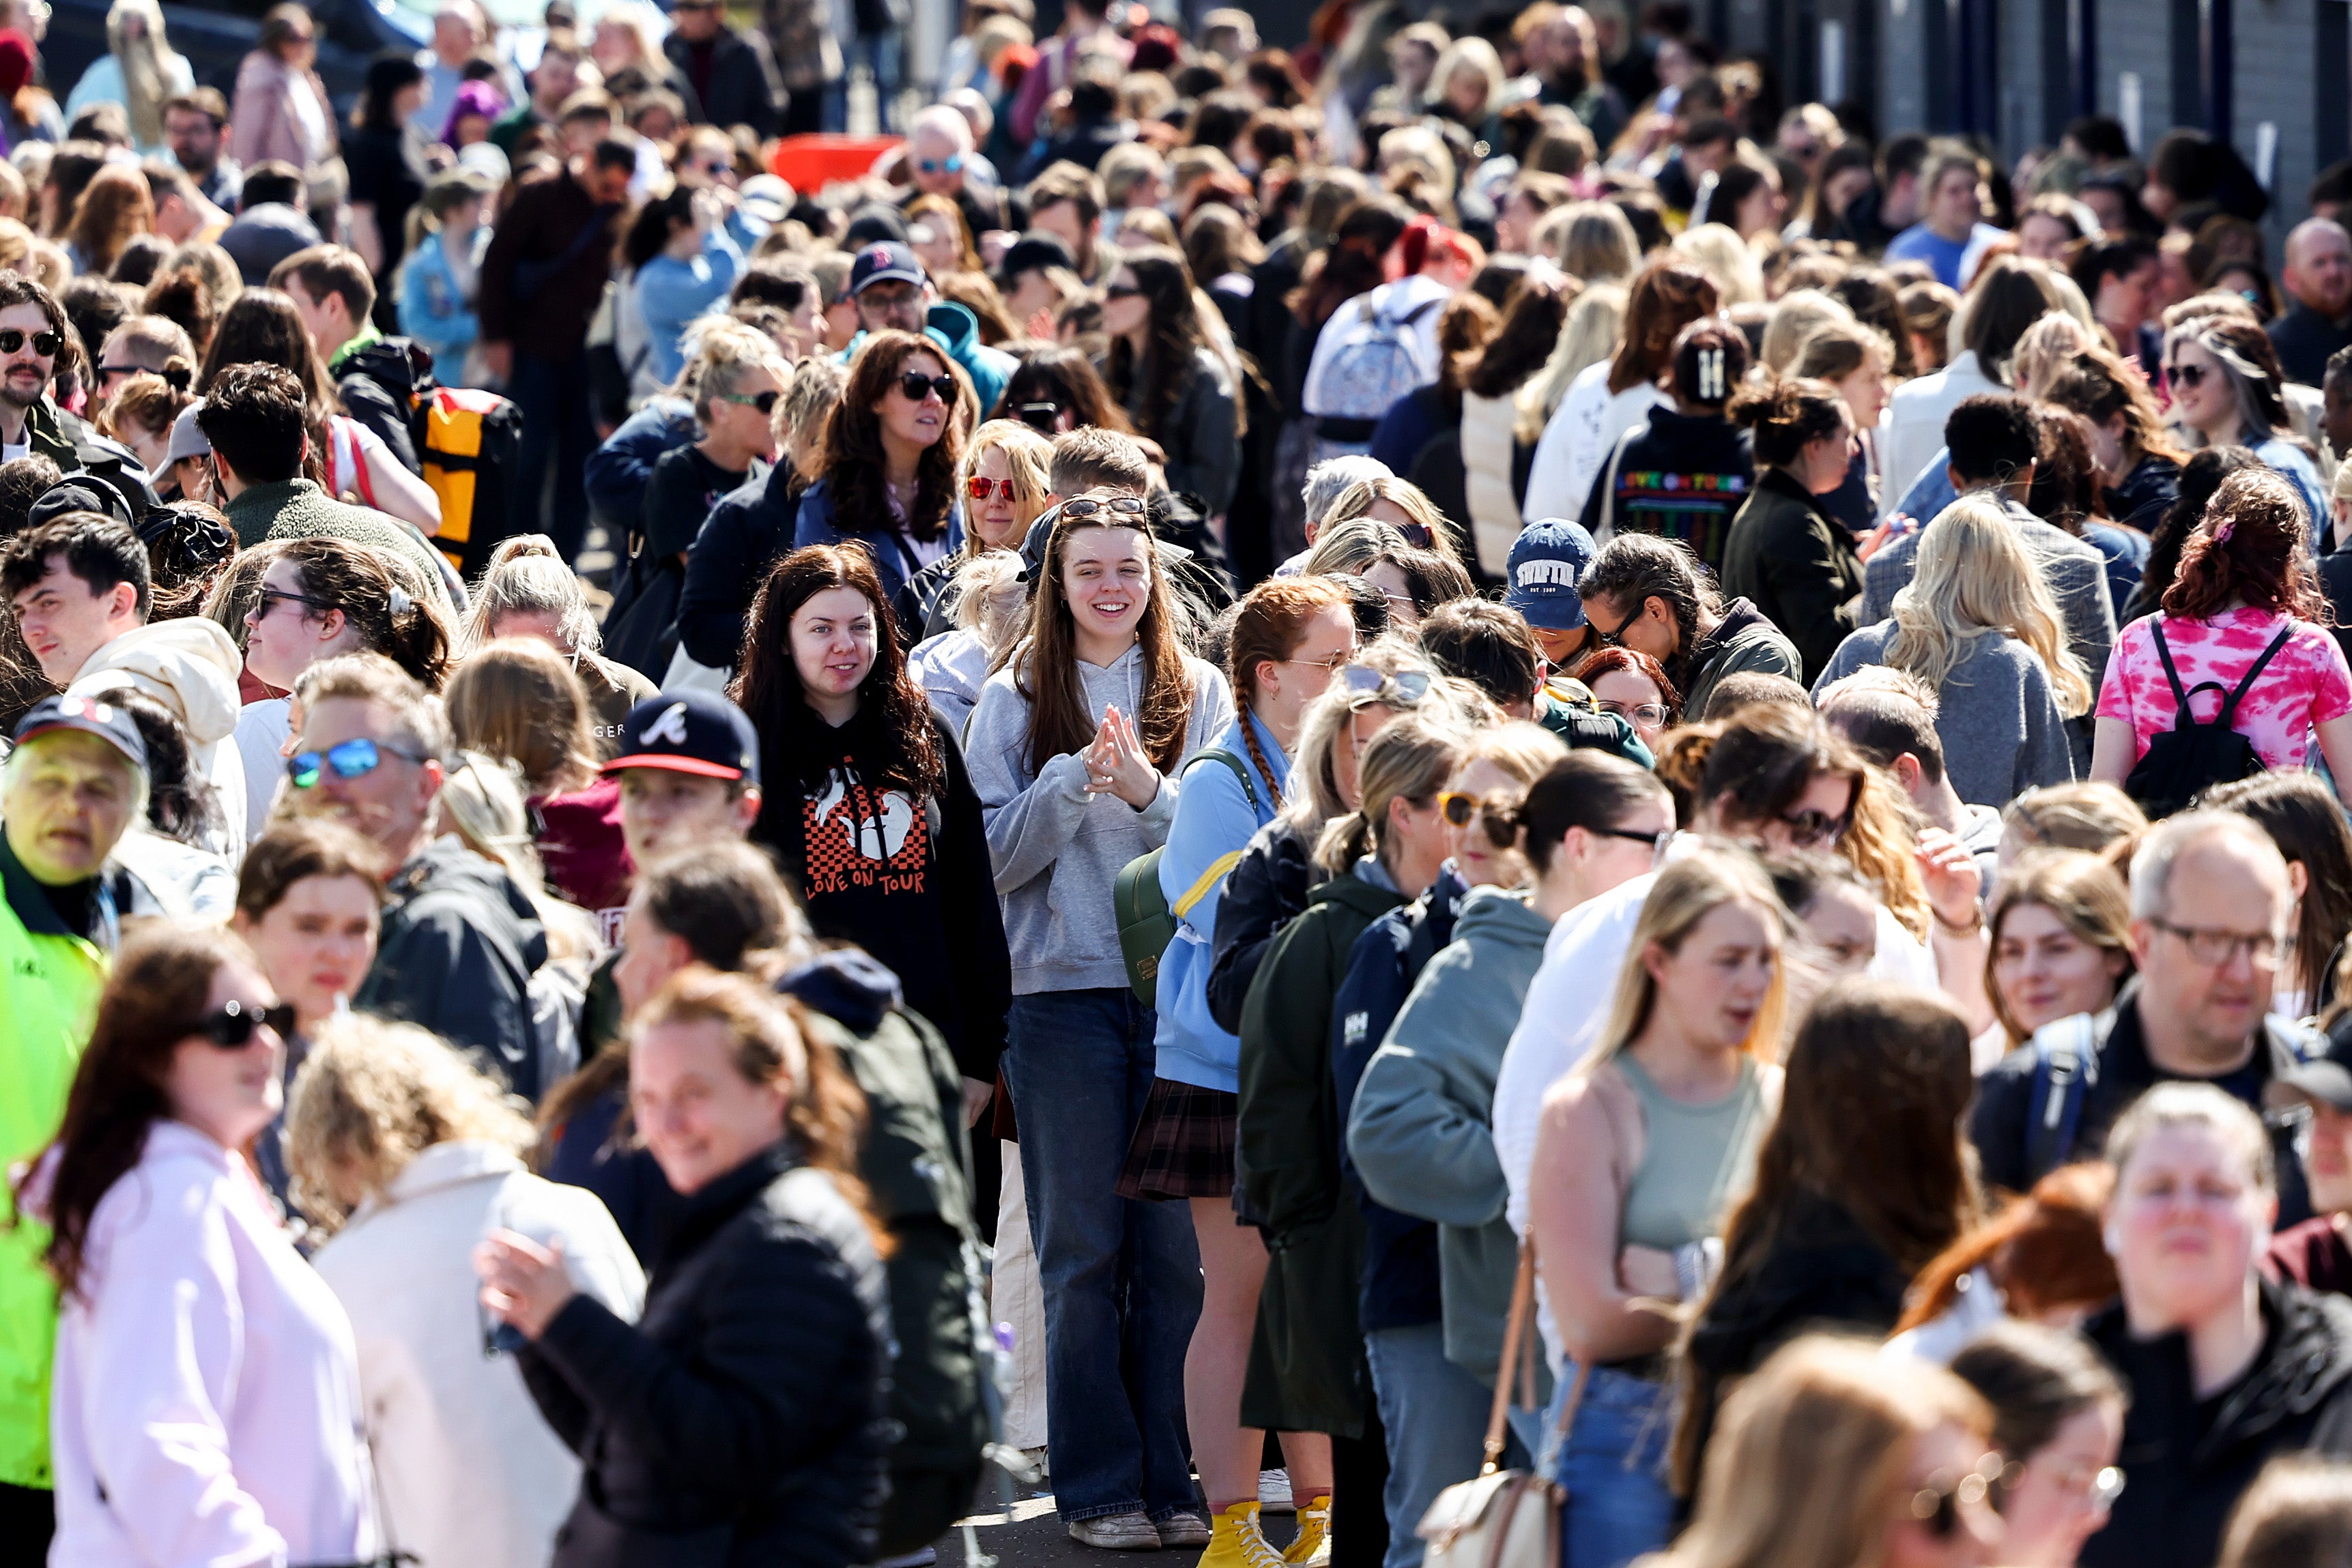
187 437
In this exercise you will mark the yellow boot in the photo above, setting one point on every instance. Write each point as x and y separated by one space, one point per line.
1313 1547
1235 1541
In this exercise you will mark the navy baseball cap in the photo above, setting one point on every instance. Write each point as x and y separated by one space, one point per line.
92 715
690 732
886 261
1546 560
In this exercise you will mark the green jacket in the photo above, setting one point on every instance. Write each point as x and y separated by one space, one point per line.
298 509
49 981
1307 1360
1743 640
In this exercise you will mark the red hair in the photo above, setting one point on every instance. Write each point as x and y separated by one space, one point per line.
2250 548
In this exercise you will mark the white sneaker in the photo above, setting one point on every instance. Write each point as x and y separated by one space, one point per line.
1273 1492
1117 1532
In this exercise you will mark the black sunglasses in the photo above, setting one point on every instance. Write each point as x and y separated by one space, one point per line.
108 372
2179 375
233 1026
914 387
1811 828
45 344
1121 291
764 401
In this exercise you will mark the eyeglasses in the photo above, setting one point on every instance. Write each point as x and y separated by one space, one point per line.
1810 828
764 401
1644 715
1403 689
1090 506
1615 639
980 487
1657 840
914 387
233 1026
352 758
952 165
2213 946
1331 666
2190 376
45 344
1936 1507
272 597
1460 810
1121 291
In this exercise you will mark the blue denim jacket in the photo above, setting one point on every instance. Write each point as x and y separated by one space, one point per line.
435 310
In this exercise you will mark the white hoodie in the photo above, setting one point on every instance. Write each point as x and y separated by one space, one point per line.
191 667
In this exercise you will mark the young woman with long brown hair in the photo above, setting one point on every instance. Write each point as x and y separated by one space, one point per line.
886 479
1172 382
1289 639
867 804
164 1245
1074 750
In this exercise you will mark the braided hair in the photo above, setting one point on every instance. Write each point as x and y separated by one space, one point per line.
1269 625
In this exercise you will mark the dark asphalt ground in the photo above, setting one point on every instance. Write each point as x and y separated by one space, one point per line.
1032 1536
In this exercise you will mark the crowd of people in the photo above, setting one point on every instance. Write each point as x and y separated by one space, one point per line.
1266 779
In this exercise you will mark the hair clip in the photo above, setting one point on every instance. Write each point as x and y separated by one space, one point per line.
398 603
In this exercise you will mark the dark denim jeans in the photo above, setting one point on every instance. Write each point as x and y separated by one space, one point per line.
1122 1278
558 428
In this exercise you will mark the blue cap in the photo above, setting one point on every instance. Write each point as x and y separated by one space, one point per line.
687 731
1546 560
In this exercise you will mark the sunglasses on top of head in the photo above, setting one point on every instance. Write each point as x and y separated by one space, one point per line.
915 387
233 1026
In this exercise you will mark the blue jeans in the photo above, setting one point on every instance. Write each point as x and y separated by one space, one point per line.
558 428
1122 1278
1614 1467
1435 1416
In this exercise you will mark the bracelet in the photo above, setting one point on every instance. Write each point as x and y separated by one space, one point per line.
1971 929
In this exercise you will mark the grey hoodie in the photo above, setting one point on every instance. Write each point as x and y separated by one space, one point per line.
1057 848
1420 1132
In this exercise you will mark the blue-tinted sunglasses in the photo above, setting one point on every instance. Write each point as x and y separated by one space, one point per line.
351 760
938 166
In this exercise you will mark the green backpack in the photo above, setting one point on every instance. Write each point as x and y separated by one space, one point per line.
1147 922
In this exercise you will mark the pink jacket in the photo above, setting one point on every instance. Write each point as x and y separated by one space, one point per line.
205 1407
265 121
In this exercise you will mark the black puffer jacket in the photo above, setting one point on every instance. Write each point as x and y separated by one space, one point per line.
740 1420
1266 892
2189 1460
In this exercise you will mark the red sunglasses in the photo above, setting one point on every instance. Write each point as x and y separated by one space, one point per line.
980 488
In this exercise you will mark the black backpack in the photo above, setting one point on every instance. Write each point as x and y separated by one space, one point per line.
2193 755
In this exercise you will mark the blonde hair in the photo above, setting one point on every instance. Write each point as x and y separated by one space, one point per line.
526 577
482 801
372 1097
2195 1105
990 600
1522 749
1718 249
1588 335
1325 729
1356 502
1801 313
1408 760
1030 456
726 350
1685 894
1593 242
1473 54
2046 352
1974 577
1806 1469
518 699
1834 351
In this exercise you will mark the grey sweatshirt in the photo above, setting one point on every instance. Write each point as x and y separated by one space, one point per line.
1420 1130
1999 723
1057 849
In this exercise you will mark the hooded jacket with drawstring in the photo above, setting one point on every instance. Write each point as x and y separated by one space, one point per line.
955 328
190 666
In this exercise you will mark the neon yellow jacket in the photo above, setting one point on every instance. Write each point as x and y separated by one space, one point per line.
50 980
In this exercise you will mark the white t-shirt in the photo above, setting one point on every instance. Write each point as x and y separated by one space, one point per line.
262 729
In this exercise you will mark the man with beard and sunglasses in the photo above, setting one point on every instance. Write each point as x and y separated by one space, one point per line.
461 939
31 339
76 781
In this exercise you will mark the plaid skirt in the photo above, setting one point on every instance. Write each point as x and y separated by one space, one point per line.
1183 1146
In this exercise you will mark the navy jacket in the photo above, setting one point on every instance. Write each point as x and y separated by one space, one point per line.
748 531
817 524
618 471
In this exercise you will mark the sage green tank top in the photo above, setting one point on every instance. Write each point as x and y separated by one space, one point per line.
1698 1159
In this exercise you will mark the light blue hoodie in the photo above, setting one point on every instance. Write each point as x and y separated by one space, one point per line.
672 293
1215 820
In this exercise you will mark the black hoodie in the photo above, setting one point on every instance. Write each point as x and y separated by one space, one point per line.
2189 1459
909 880
1681 476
